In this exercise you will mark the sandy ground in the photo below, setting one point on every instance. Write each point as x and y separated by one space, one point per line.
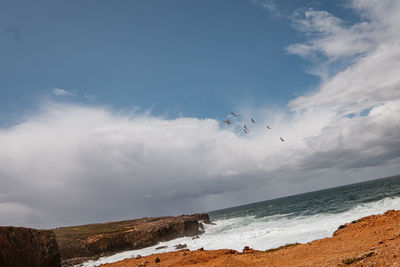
371 241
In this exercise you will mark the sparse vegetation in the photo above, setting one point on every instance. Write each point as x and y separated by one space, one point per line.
355 259
83 231
283 247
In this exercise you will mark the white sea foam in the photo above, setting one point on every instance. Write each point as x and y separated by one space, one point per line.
263 233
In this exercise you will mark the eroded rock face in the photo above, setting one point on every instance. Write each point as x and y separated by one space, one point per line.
97 239
20 246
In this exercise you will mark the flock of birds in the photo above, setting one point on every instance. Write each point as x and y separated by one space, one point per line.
245 129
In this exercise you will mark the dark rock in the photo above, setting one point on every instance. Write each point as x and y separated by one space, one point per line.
203 217
201 249
161 247
339 228
180 246
195 237
20 246
138 257
246 248
157 260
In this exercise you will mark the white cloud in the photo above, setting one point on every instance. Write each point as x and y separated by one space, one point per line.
268 5
330 37
61 92
335 39
372 78
370 81
73 164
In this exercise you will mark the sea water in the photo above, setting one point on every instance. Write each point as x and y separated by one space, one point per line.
294 219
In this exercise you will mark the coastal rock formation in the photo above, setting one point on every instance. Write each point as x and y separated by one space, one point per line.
99 239
20 246
180 246
370 241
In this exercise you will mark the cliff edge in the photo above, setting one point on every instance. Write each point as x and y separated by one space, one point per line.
20 246
94 240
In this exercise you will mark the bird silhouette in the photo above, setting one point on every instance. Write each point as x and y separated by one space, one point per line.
252 120
245 127
227 122
246 131
234 114
282 139
269 128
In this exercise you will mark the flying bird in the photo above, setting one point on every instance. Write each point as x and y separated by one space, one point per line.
282 139
227 122
246 131
252 120
245 127
269 128
234 114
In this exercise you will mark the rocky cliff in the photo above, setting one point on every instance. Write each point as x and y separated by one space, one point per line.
99 239
21 246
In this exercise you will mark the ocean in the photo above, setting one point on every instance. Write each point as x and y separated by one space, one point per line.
273 223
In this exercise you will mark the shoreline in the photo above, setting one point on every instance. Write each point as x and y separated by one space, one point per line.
374 239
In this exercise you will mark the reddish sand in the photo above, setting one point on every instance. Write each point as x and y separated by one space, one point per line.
371 241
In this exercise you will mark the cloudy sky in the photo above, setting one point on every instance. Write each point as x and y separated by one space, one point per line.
114 110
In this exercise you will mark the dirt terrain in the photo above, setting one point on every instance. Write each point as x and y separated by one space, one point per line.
370 241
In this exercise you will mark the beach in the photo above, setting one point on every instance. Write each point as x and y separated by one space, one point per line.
370 241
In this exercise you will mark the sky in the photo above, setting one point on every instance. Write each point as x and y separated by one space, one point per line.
114 110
